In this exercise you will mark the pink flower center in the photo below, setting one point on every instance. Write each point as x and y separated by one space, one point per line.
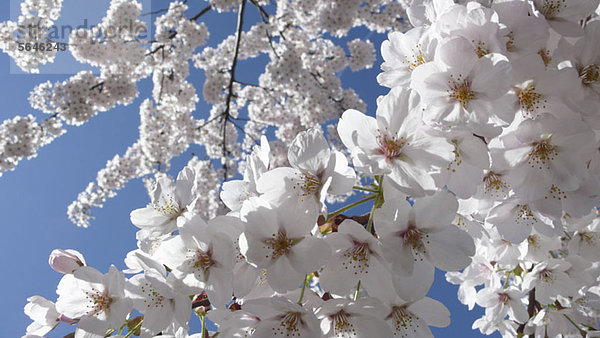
289 325
460 90
480 49
546 275
202 260
416 58
413 238
307 184
97 301
530 100
390 147
167 206
551 8
278 245
358 257
403 320
503 298
525 215
589 74
342 324
152 298
542 153
493 184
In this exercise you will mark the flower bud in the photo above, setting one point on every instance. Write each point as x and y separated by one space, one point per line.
68 320
66 261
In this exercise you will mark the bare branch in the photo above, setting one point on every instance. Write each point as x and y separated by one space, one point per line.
201 13
225 116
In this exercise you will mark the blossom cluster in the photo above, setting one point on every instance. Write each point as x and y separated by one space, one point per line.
32 26
299 88
483 161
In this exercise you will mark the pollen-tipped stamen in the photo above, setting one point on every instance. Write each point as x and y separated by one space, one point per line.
460 90
542 154
278 245
589 74
390 146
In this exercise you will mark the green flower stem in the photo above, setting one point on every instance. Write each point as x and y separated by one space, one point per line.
204 330
507 278
581 331
377 203
364 189
303 288
122 327
135 328
357 289
350 206
370 224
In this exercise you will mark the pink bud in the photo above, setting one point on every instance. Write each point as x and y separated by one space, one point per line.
66 261
68 320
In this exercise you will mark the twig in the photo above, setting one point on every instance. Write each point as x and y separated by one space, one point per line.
225 116
264 15
201 13
530 311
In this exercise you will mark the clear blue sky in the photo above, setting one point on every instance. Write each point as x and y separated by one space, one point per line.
34 197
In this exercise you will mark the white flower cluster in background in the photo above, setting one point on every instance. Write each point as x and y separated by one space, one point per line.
483 161
33 27
22 136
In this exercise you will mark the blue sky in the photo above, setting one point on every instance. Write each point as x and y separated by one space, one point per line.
34 197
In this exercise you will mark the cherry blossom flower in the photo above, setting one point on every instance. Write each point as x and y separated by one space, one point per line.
403 53
463 175
409 313
278 240
205 254
423 231
169 201
235 192
87 292
281 317
357 256
316 171
563 16
157 296
515 220
500 301
526 34
542 155
426 12
44 315
458 89
547 277
395 143
343 318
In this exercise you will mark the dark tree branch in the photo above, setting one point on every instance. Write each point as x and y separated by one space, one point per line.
225 116
530 310
201 13
263 14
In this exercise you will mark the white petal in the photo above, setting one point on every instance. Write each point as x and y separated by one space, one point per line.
357 130
282 277
147 218
435 212
309 151
450 249
431 311
184 186
417 285
309 255
158 318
